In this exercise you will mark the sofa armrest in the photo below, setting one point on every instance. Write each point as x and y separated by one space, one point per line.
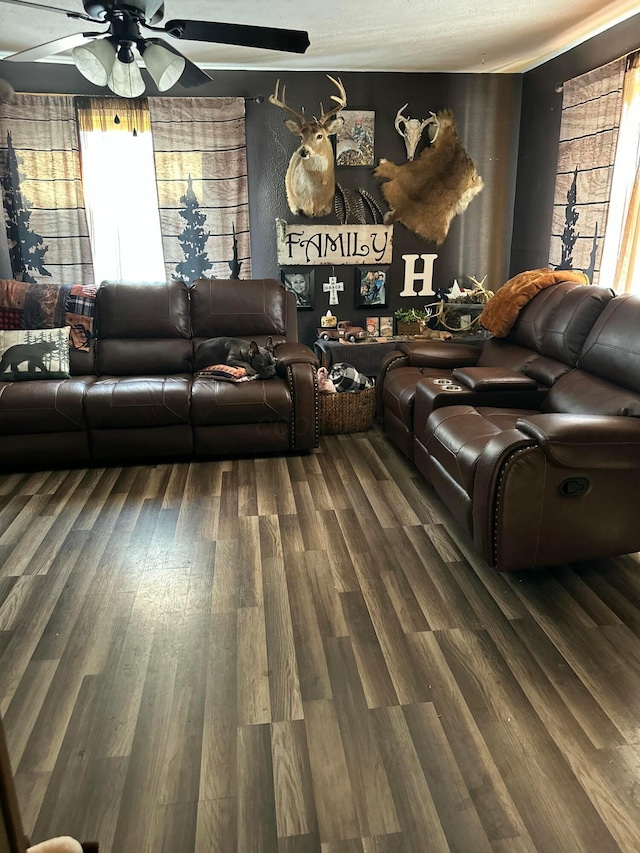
485 379
586 441
440 354
291 352
302 379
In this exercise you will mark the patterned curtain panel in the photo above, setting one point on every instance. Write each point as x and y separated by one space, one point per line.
201 170
42 198
591 108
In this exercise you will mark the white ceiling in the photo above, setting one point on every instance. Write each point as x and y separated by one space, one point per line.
369 35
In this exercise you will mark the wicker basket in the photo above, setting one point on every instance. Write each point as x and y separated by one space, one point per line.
347 411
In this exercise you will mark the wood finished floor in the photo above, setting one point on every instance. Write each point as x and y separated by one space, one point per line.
304 654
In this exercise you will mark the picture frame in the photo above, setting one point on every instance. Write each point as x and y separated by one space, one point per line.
386 327
371 287
355 141
372 325
301 282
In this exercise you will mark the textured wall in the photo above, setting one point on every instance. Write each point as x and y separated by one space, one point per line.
486 108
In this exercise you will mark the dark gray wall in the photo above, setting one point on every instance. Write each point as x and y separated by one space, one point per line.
539 134
487 111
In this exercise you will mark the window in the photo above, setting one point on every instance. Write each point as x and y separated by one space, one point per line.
621 260
119 183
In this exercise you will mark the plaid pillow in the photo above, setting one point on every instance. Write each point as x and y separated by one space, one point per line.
346 378
81 300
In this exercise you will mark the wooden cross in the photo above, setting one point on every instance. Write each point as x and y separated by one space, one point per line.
332 287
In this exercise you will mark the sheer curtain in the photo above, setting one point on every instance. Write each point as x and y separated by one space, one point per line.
120 189
621 256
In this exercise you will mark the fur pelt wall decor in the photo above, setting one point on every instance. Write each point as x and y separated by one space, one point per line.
425 194
7 93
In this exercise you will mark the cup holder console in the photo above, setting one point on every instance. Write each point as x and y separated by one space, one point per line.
447 385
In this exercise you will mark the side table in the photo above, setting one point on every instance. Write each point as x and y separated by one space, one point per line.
365 356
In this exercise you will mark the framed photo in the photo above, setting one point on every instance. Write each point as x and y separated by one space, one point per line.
355 139
371 287
300 280
386 327
372 325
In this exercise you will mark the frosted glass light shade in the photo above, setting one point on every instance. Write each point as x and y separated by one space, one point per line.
126 80
95 60
164 66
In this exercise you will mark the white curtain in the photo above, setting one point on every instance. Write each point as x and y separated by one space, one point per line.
120 190
621 255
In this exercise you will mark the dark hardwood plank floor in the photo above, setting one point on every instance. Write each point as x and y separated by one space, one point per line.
288 655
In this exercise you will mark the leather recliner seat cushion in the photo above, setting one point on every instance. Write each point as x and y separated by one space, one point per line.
117 402
43 405
457 435
259 401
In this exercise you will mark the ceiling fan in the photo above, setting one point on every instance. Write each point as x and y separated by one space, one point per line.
107 58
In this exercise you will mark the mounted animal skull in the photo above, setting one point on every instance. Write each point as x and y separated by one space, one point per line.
425 194
411 130
310 182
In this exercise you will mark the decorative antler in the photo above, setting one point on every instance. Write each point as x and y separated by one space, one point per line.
433 120
340 99
275 100
400 118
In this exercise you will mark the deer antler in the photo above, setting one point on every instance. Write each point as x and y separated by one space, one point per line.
340 99
400 118
434 120
275 100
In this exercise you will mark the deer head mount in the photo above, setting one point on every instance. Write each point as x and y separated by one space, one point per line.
425 194
310 182
411 130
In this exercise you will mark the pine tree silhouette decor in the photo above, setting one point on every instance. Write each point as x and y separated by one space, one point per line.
26 249
235 265
193 239
569 235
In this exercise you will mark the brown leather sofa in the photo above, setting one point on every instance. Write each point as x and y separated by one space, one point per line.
518 370
135 396
553 482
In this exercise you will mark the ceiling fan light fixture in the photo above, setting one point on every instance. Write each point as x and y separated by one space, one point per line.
126 80
164 66
95 60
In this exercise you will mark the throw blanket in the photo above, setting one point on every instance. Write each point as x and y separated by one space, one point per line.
49 306
502 310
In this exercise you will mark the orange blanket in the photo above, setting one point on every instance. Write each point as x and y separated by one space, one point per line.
502 310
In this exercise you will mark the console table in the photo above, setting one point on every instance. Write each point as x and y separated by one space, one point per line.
365 356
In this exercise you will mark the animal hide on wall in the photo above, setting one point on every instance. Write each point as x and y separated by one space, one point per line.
7 94
425 194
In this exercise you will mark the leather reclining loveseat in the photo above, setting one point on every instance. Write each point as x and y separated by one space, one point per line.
534 443
135 394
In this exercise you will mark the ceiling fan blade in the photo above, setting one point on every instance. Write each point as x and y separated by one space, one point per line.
52 47
77 15
192 75
268 38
